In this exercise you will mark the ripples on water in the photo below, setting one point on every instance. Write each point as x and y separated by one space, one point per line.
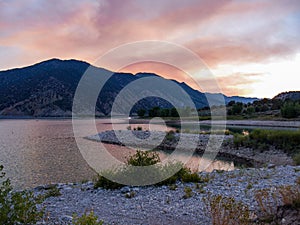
36 152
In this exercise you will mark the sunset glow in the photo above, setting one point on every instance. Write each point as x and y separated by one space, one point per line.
251 47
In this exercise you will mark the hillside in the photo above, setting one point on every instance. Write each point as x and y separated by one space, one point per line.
291 95
47 89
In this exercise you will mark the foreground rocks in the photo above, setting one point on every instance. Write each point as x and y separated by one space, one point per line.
160 205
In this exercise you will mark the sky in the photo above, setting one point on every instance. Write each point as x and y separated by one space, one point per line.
251 47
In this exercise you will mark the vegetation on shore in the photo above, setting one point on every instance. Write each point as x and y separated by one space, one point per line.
222 209
266 109
18 207
24 207
287 141
226 210
158 171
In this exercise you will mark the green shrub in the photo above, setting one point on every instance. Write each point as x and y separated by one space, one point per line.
189 177
296 159
169 168
225 210
289 141
170 136
18 207
269 201
141 112
86 219
200 188
52 192
143 158
130 172
188 192
290 196
240 140
290 110
103 182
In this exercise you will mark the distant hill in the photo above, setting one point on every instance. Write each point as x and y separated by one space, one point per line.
291 95
47 89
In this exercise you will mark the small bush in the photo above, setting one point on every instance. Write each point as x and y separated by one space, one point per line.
225 210
182 172
240 140
267 201
200 188
270 200
296 159
103 182
290 110
130 194
131 172
86 219
289 141
249 186
170 136
52 192
143 158
290 195
18 207
189 177
188 193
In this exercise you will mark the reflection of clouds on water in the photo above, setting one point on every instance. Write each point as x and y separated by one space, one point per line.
195 160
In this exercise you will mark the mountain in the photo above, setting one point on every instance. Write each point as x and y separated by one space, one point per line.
291 95
47 89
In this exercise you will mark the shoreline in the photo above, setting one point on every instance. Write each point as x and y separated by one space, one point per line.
246 156
165 205
246 122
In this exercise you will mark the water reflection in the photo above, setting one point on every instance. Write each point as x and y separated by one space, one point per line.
36 152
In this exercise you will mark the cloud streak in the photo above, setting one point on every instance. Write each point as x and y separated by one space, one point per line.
224 32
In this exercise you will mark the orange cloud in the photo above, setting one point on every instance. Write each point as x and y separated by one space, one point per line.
219 31
232 84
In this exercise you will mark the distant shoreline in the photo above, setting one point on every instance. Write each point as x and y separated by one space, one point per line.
230 123
250 123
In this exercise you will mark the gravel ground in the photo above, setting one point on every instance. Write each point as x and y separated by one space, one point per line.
160 205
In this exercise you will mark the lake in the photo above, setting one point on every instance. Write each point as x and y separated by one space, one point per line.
36 152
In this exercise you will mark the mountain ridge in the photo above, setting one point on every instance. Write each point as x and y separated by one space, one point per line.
47 89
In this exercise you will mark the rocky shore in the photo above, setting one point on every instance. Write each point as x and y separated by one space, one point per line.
170 204
161 205
161 140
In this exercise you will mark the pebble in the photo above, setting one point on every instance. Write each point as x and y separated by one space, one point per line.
152 205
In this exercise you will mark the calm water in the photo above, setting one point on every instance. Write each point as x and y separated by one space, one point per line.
36 152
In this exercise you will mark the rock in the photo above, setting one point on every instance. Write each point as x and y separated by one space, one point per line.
136 189
125 189
67 188
66 218
288 215
271 166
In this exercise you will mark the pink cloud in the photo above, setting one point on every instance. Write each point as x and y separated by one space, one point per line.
220 31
